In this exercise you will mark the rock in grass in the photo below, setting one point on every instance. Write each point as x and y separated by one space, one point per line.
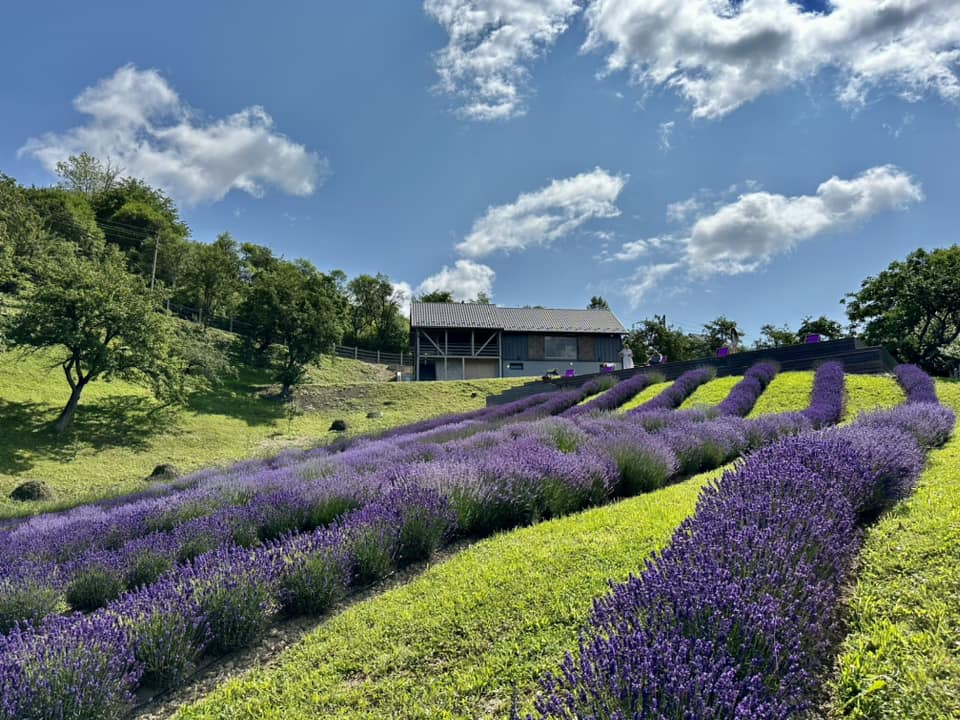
31 490
338 426
164 471
373 414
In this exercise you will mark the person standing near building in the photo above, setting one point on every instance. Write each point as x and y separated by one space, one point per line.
627 358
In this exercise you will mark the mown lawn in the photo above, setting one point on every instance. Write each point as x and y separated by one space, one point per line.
648 393
901 659
466 636
711 393
120 433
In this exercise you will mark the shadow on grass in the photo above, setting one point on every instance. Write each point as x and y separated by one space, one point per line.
124 421
238 400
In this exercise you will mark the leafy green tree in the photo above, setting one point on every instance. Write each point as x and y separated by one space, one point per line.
481 299
598 303
24 240
375 319
69 216
99 320
437 296
772 336
87 175
823 326
913 308
655 334
722 331
145 224
211 280
299 308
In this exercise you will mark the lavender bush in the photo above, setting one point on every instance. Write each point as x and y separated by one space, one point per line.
916 384
827 398
681 389
616 395
743 396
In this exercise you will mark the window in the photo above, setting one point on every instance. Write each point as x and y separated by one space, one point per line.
514 366
560 348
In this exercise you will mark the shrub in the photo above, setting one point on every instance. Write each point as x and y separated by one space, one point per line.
146 567
234 590
371 540
93 587
27 594
69 667
314 575
426 519
167 632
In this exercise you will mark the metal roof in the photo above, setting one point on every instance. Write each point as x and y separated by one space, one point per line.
491 317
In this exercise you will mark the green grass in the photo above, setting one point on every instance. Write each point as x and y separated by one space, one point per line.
120 433
787 392
868 392
902 656
648 393
457 640
711 393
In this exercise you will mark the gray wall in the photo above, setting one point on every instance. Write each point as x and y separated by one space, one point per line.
536 368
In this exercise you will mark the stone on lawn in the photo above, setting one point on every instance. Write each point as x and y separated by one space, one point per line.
30 490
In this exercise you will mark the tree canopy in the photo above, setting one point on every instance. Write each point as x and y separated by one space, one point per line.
913 308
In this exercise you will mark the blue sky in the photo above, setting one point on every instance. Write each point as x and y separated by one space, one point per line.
688 158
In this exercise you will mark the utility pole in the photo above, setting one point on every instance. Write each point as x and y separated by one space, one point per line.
156 248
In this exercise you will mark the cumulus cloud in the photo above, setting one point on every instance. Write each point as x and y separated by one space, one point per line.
491 42
543 216
744 235
466 279
720 54
402 295
138 121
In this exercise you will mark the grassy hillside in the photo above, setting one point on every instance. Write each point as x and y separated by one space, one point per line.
120 433
463 638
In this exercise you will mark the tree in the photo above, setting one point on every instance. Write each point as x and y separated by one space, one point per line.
24 240
145 224
437 296
722 331
98 318
211 280
598 303
772 336
69 216
823 326
913 308
655 334
86 174
375 319
481 299
298 307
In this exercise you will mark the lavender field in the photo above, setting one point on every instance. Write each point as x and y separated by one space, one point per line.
739 616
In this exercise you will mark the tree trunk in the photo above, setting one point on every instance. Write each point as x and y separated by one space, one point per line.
66 415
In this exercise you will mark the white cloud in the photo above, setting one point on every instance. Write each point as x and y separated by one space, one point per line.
719 54
746 234
137 120
466 279
665 132
402 295
491 41
540 217
646 279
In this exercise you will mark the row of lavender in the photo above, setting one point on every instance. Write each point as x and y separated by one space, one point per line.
739 616
223 597
93 558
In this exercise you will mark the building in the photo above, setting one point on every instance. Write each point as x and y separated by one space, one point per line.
457 341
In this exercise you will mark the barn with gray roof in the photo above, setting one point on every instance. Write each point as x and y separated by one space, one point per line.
457 341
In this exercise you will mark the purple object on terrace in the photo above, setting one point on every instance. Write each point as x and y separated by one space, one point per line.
812 338
723 352
570 372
